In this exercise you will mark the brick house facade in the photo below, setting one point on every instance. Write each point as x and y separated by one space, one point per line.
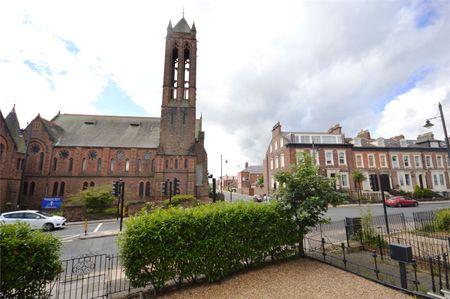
395 162
72 152
247 180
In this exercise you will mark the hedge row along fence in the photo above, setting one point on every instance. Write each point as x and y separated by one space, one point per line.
208 241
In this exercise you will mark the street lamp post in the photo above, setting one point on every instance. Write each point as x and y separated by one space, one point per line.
428 125
380 184
221 177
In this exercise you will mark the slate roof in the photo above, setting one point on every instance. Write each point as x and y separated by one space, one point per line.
14 129
254 169
182 26
107 131
395 143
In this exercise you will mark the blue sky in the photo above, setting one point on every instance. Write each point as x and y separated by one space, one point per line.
378 65
114 101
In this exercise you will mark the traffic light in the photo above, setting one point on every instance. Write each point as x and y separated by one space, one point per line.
165 190
115 189
176 186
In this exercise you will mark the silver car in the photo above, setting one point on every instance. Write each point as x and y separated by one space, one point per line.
36 219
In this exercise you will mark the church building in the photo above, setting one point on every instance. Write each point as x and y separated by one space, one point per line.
72 152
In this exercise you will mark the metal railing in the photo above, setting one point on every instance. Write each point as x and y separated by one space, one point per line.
89 276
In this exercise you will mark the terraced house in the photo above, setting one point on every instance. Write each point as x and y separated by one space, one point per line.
395 162
72 152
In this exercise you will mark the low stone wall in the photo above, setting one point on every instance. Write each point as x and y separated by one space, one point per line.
75 212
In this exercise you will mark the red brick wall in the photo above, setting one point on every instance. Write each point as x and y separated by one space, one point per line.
10 175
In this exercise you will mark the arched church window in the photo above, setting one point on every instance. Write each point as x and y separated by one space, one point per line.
111 166
147 189
62 189
139 166
70 164
32 187
85 185
41 160
99 165
185 163
176 163
25 188
174 73
141 189
83 165
55 163
127 165
55 189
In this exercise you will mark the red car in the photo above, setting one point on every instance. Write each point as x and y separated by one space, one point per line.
401 201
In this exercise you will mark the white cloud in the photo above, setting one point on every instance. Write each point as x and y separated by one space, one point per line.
308 64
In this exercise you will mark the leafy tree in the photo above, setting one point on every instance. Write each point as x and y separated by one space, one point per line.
358 178
306 196
260 181
29 261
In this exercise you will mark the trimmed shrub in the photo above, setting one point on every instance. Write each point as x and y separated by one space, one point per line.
183 200
423 193
398 192
96 199
29 260
210 241
442 220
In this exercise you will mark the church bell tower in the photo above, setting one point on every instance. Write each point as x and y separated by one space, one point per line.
178 115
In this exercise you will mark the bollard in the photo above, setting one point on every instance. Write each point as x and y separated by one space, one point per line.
343 254
85 226
376 270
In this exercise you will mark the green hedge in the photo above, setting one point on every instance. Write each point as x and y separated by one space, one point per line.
210 241
28 261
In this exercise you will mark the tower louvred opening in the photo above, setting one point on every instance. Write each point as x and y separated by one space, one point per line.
174 81
186 73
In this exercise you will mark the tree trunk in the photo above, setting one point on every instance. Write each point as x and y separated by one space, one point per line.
301 247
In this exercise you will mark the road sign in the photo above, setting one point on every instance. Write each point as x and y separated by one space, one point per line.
51 203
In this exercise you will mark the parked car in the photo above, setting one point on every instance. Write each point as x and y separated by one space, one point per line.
401 201
258 198
36 219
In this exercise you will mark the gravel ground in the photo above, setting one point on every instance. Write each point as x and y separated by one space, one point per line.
302 278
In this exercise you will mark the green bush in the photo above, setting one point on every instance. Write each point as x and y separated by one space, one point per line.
181 200
28 261
398 192
208 241
442 220
367 235
423 193
95 198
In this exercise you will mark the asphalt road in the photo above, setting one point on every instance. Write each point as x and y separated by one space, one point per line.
340 212
73 246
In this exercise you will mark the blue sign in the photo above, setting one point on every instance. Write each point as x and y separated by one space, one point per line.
51 203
